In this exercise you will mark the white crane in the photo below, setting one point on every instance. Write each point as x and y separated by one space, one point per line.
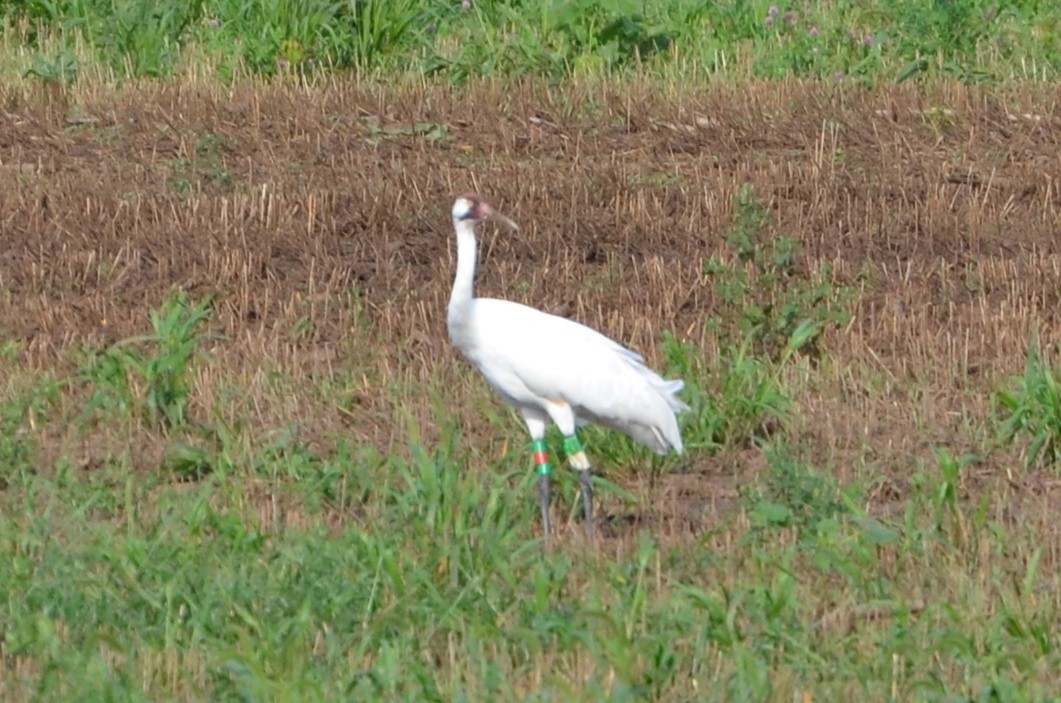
551 368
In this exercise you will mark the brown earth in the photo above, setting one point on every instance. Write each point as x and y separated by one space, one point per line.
319 218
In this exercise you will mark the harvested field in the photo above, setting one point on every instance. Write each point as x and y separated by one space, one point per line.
318 218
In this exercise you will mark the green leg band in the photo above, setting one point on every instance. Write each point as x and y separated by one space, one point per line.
572 445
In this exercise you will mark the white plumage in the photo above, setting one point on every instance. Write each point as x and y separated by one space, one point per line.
551 368
532 358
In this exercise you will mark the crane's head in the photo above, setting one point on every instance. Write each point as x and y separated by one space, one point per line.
471 207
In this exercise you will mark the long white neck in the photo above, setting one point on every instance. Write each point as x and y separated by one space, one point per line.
464 282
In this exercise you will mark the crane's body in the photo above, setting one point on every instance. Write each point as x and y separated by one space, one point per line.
534 360
551 368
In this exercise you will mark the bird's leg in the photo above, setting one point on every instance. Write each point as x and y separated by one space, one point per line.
545 481
577 456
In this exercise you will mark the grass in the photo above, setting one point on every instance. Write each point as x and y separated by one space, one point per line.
239 462
1034 408
424 587
866 43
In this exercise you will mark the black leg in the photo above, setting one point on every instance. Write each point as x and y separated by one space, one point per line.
577 456
545 495
586 482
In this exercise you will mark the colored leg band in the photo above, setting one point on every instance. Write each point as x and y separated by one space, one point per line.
541 457
571 445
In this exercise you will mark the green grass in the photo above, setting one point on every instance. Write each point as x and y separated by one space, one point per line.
152 383
1033 407
127 587
836 40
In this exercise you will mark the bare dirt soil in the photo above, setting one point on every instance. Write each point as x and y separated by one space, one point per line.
319 216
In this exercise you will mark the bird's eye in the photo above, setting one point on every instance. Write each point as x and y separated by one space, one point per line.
467 212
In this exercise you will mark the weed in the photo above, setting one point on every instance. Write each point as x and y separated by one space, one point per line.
953 30
165 373
792 495
1034 408
18 441
741 403
770 303
206 169
771 312
306 36
59 68
382 27
155 382
941 493
612 33
139 36
429 132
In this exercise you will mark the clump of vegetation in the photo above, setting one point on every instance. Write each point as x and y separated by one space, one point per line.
771 304
206 171
736 399
772 311
792 495
19 443
1033 409
149 375
557 38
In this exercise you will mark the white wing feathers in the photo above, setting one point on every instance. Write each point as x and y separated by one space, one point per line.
530 356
